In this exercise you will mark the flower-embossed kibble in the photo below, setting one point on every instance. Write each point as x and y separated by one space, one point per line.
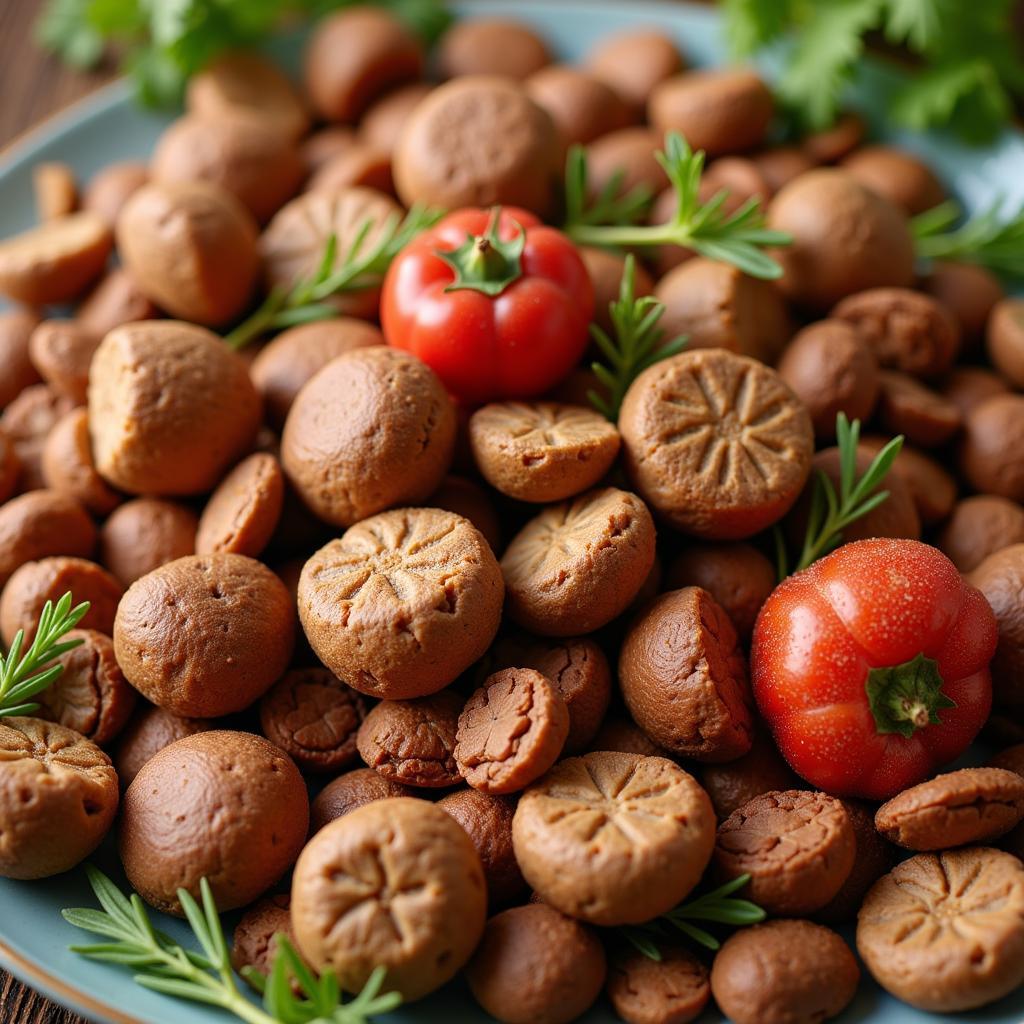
672 990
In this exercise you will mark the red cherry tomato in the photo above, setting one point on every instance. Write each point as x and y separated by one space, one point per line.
501 323
871 667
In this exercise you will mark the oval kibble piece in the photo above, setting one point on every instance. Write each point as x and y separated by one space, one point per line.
900 177
672 990
493 46
150 730
254 942
39 524
62 350
989 454
581 105
116 300
731 784
980 526
16 369
111 187
243 511
353 789
144 534
27 423
634 63
67 465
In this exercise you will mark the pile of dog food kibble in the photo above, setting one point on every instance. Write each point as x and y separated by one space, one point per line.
502 681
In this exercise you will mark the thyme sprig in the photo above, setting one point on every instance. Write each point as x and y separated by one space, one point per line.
990 239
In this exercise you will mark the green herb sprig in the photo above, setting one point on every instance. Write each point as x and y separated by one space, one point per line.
990 239
612 205
716 907
205 975
738 238
638 343
23 675
362 266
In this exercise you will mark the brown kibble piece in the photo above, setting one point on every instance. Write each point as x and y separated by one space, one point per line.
115 300
634 63
581 105
354 789
413 741
1000 577
784 972
383 123
779 165
10 468
1012 759
923 416
58 798
142 535
629 152
254 943
27 423
56 190
536 966
150 730
16 369
716 443
205 635
541 451
313 717
322 145
900 177
832 144
735 783
672 990
606 269
993 439
945 932
111 187
396 884
576 566
67 465
932 487
968 291
968 386
243 511
980 526
1006 340
491 46
358 166
468 499
622 735
684 677
797 846
402 602
40 524
614 838
227 806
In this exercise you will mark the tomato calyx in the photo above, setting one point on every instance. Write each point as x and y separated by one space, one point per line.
486 263
905 698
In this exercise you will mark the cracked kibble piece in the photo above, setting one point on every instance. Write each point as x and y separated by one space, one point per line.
254 943
735 783
536 966
511 731
576 566
972 805
945 932
716 443
797 846
144 534
62 350
242 513
614 838
980 526
373 429
150 730
227 806
908 407
784 972
67 465
413 741
39 524
313 717
541 451
90 695
396 884
403 602
488 823
672 990
58 798
354 789
27 423
205 635
684 677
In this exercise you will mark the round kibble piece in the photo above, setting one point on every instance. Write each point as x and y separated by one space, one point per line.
10 468
735 783
672 990
1006 340
577 565
628 154
227 806
354 789
142 535
779 165
243 511
382 125
582 106
358 165
254 943
149 731
40 524
27 423
900 177
784 972
536 966
633 63
797 846
932 487
968 386
980 526
62 350
313 717
205 635
945 932
468 499
614 838
716 442
511 731
968 291
542 451
16 369
624 736
373 429
1000 577
397 884
413 741
171 407
68 467
684 677
992 442
110 188
58 797
493 46
403 602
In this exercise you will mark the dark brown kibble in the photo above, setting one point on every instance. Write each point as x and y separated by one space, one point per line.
354 789
672 990
735 783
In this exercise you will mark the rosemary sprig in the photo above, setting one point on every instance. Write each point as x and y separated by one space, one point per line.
610 205
638 343
739 238
22 676
988 239
716 907
207 977
362 266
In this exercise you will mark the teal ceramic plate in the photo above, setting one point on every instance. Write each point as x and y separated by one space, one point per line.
108 127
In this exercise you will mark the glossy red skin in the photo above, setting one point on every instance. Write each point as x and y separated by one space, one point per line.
514 345
869 604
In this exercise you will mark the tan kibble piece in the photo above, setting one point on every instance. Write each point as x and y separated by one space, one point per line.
716 442
633 63
413 741
110 188
356 788
170 408
972 805
205 635
536 966
542 451
254 943
735 783
222 805
900 177
68 467
511 731
16 369
581 105
383 123
779 165
115 300
784 972
55 261
150 730
27 422
672 990
62 350
141 535
492 46
614 838
58 797
797 846
1005 340
243 511
56 190
577 565
397 884
945 932
39 524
